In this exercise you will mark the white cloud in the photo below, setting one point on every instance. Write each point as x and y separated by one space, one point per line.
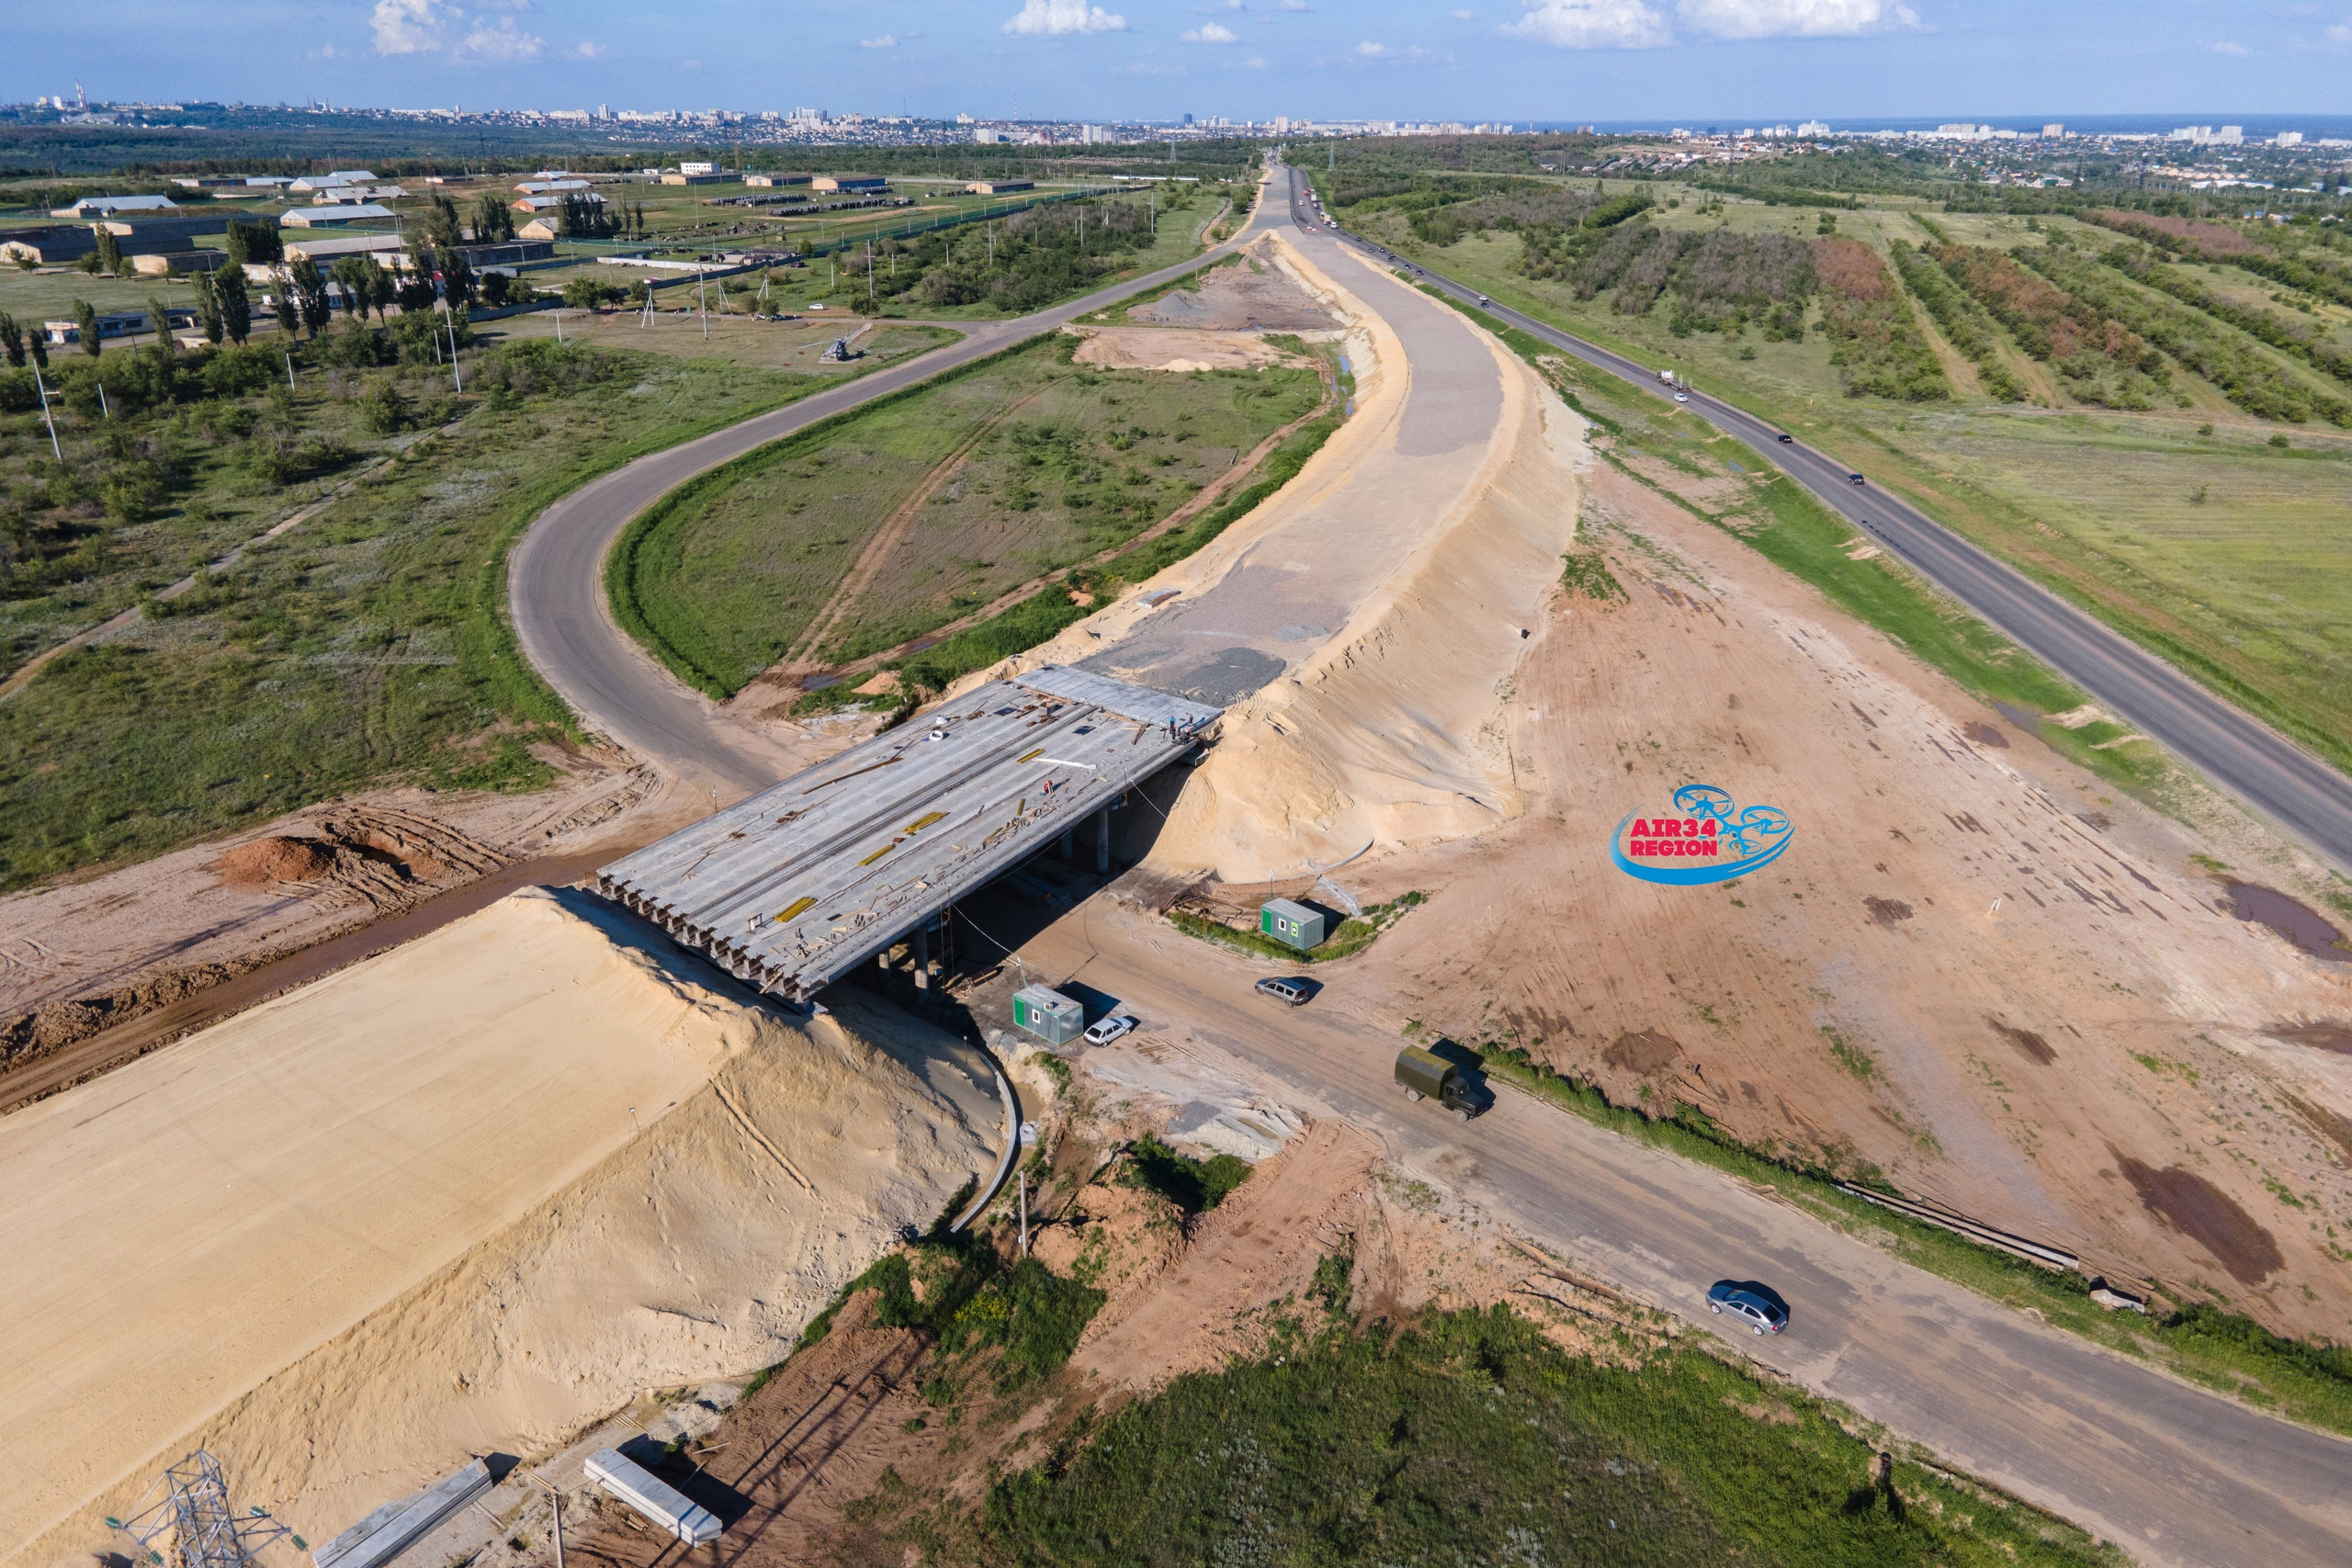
1210 32
425 27
2339 34
2237 51
1255 62
1051 18
329 51
1794 18
410 27
888 40
1297 5
1590 24
504 44
1635 23
584 49
1411 54
1464 16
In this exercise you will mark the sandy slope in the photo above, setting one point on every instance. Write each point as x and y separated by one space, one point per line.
405 1214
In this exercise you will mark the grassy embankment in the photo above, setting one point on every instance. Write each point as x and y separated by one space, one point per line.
994 474
1464 1435
369 645
2216 538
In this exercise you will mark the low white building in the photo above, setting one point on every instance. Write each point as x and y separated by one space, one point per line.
336 217
100 206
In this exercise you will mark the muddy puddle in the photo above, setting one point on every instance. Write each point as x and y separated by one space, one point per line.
2300 924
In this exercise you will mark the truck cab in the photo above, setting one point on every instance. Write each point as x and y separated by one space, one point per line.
1425 1075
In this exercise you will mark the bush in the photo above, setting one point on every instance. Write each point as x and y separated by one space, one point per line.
1194 1186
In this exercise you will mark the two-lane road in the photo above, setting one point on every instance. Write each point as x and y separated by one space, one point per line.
556 576
2292 787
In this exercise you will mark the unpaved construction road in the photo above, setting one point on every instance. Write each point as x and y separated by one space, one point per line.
2176 1474
2237 752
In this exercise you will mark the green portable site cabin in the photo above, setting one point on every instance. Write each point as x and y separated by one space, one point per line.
1047 1014
1294 924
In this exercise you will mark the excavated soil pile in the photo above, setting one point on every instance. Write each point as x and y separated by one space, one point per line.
1252 295
1172 348
460 1198
252 866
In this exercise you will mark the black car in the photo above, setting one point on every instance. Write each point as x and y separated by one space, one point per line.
1788 440
1751 1306
1855 479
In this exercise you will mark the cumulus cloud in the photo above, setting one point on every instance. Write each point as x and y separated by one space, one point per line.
1794 18
1052 18
2339 34
412 26
502 44
584 49
888 40
1255 62
2237 50
1590 24
1210 32
463 37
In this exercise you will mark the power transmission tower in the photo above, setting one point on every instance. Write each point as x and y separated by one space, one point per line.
186 1520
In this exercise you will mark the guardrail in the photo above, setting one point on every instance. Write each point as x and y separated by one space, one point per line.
1961 1225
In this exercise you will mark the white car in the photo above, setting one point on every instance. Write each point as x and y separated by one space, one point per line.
1681 397
1104 1031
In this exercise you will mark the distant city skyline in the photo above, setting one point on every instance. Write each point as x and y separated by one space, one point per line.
1649 63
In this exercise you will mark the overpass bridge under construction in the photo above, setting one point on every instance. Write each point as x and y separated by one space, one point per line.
790 888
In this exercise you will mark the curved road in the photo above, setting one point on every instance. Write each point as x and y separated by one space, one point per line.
2237 752
2175 1474
555 575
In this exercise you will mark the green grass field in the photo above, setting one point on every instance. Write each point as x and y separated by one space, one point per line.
2220 550
369 644
1059 462
1465 1436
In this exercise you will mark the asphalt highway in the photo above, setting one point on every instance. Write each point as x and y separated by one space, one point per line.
2295 789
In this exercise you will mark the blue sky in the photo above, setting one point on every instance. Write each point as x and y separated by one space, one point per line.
1503 60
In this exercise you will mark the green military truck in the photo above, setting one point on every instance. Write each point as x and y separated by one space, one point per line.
1425 1075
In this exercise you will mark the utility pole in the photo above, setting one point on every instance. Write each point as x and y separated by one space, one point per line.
702 304
56 451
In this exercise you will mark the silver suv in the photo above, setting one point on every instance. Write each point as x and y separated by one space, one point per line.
1748 1305
1291 992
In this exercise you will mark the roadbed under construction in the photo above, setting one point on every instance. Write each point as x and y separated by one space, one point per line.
789 889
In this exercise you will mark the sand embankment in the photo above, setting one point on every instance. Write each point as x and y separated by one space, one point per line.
1388 733
408 1214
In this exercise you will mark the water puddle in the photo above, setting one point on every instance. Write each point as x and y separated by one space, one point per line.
2306 928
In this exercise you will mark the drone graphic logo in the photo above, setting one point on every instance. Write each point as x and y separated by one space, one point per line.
1713 839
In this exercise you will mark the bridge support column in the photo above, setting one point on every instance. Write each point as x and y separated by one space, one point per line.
1069 853
1102 839
922 956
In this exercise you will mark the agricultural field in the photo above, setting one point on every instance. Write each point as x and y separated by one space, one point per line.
2051 388
364 644
873 530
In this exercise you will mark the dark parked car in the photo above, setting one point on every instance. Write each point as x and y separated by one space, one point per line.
1855 479
1748 1305
1788 440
